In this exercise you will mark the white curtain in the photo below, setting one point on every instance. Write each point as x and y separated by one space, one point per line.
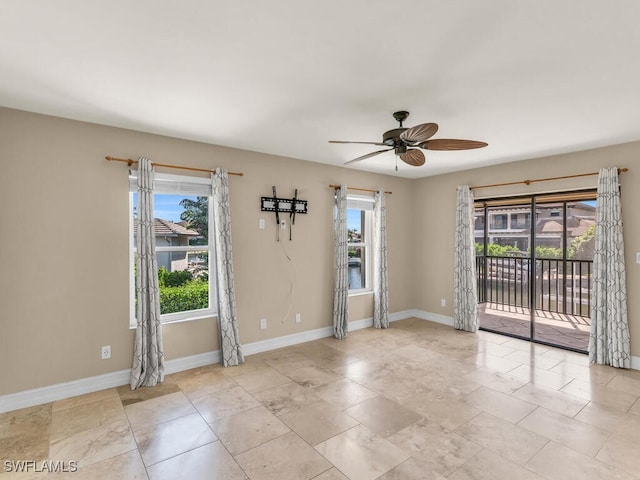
341 290
230 348
609 342
380 287
148 356
465 294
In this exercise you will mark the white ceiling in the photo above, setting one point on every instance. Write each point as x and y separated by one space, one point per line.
531 78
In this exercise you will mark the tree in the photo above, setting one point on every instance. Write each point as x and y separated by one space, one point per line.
196 214
582 247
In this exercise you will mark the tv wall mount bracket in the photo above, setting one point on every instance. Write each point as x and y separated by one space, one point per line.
278 205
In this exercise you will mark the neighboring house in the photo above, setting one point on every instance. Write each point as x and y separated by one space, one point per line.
512 225
169 234
549 227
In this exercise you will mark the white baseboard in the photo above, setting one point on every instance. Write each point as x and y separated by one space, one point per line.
403 315
50 393
193 361
360 324
58 391
432 317
286 340
309 335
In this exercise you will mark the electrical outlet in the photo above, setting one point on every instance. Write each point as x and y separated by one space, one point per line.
298 318
261 224
263 323
443 302
283 225
637 257
105 352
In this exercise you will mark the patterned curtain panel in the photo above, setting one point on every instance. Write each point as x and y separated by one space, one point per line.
341 291
380 287
230 347
148 355
465 295
609 342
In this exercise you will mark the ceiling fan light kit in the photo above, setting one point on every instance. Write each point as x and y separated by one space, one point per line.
401 139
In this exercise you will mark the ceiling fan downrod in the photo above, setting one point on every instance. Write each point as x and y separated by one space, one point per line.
401 116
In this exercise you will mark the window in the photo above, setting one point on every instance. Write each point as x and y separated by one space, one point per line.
498 221
183 233
520 221
359 216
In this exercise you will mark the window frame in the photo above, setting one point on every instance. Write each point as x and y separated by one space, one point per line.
365 205
167 184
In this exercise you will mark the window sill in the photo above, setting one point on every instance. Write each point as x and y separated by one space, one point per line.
202 316
358 293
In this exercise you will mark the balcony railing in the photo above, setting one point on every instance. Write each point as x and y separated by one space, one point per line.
561 286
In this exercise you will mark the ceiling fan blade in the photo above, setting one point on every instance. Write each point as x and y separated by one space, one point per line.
364 143
413 157
451 144
368 155
419 133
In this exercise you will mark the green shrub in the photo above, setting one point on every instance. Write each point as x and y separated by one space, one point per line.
177 278
192 295
162 276
495 250
173 279
548 252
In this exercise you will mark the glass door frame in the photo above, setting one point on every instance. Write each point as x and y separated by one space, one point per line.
561 197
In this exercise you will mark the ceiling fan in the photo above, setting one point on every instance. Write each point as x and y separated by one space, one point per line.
405 140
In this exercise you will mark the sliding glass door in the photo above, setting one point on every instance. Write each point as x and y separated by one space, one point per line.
533 257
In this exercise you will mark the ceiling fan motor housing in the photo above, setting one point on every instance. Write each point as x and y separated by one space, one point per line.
392 137
400 149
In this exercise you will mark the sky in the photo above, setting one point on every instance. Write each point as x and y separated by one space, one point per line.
353 219
167 207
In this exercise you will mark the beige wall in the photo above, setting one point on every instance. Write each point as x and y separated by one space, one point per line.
435 198
64 282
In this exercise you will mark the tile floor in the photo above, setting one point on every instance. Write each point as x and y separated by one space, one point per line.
416 401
